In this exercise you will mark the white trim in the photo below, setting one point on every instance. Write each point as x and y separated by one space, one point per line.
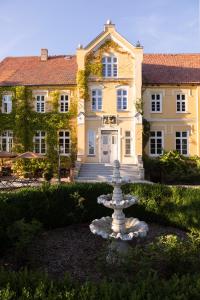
60 137
88 133
64 94
118 140
40 95
155 100
186 103
126 88
131 142
7 99
188 153
171 120
40 137
112 56
8 137
162 138
96 99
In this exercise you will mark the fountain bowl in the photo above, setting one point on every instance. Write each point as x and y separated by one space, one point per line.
133 229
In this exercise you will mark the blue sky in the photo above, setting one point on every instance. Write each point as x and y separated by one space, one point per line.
60 25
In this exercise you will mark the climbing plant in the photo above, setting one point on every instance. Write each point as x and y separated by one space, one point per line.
25 122
94 67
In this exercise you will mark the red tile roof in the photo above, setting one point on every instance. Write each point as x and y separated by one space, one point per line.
61 70
171 68
30 70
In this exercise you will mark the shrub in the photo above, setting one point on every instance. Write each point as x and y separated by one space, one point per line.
21 234
31 285
59 206
173 168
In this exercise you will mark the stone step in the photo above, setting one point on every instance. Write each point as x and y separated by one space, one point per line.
94 172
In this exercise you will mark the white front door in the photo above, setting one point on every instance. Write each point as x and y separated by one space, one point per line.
109 149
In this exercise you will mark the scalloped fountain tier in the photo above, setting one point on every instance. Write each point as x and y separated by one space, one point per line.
118 226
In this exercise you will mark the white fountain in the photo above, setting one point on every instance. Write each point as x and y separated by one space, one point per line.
118 226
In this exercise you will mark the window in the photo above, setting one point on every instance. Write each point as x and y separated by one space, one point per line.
182 142
40 142
156 103
156 143
7 104
121 99
91 142
127 143
96 99
109 66
180 103
64 103
6 140
64 141
40 101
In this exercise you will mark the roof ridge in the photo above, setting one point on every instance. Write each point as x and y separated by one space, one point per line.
184 53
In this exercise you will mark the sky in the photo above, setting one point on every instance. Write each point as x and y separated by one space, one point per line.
167 26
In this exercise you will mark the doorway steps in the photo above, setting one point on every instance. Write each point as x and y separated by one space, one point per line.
100 172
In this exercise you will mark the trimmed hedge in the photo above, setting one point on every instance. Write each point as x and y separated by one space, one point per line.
28 285
58 206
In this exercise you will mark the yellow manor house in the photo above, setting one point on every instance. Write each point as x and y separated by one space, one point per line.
101 99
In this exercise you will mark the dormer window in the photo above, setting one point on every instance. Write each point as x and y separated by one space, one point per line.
7 104
109 66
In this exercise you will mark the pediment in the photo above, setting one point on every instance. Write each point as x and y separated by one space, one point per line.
110 35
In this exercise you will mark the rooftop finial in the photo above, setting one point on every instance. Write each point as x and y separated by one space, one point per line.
138 45
109 22
80 46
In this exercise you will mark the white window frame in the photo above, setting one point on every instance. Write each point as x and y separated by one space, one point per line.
39 102
41 138
156 101
7 102
8 137
65 102
181 138
112 65
156 137
96 98
181 103
122 96
91 138
62 146
130 139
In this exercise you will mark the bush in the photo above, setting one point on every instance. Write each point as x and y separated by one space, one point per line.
30 285
173 168
21 234
59 206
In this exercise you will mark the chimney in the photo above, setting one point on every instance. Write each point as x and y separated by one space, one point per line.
44 54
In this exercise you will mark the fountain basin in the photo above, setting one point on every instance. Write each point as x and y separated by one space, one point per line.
133 228
106 200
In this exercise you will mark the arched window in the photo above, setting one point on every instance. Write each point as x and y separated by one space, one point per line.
109 66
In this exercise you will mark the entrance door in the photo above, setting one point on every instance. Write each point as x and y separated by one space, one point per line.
109 149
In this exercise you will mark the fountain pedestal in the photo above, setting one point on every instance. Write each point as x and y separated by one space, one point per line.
118 227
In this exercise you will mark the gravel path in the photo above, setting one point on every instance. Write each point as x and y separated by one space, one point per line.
76 250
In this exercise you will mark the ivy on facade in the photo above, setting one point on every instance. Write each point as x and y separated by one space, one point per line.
24 122
94 67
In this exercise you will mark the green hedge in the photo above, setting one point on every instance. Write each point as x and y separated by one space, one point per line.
59 206
28 286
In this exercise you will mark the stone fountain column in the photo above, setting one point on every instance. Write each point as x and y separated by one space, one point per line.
118 228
